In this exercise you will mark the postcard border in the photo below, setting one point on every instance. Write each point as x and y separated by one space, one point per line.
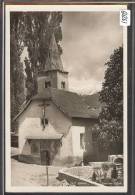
129 73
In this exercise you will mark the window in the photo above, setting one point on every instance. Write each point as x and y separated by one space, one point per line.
63 85
82 140
34 147
47 84
46 121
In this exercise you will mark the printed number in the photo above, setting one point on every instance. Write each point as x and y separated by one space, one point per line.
124 16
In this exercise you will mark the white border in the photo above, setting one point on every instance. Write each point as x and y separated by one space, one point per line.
65 8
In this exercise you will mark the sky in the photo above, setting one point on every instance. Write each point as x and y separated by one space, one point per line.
89 38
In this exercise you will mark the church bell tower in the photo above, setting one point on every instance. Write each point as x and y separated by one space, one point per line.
53 75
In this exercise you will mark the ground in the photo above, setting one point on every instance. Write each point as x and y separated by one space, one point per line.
33 175
23 174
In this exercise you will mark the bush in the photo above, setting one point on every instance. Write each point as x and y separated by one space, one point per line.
114 173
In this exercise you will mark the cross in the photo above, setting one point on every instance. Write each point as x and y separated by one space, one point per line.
44 105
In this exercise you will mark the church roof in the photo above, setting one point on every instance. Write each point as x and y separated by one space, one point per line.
71 104
53 61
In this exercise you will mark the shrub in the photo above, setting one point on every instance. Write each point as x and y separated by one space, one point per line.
114 173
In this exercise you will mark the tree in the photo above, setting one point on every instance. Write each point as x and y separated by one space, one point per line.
110 128
16 67
29 83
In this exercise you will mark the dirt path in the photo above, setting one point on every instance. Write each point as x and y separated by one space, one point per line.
23 174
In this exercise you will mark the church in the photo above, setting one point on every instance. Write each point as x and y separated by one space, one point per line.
55 125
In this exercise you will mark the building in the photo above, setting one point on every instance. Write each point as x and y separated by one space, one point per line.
55 126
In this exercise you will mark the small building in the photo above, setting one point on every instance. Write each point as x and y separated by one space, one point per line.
55 126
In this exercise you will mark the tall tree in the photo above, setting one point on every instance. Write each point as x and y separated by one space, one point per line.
110 129
16 67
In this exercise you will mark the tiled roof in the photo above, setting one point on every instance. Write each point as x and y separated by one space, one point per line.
71 104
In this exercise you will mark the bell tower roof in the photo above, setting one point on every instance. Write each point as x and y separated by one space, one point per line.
53 74
53 61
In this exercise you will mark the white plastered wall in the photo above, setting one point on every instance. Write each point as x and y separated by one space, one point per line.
76 131
30 122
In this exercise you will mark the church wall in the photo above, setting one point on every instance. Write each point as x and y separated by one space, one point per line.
65 154
71 143
31 119
91 152
30 125
53 78
49 76
59 120
62 77
41 83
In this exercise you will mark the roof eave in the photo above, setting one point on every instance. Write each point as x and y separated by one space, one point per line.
85 117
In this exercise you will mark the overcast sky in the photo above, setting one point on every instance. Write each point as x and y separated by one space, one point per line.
88 41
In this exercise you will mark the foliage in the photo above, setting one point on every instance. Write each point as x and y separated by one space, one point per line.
16 67
109 131
114 173
29 81
105 167
112 91
94 176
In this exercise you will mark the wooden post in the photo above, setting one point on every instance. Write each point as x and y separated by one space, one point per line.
47 176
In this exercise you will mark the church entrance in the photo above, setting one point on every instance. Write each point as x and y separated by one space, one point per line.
41 150
45 157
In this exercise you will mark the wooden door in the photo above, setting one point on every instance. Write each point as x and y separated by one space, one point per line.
45 157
